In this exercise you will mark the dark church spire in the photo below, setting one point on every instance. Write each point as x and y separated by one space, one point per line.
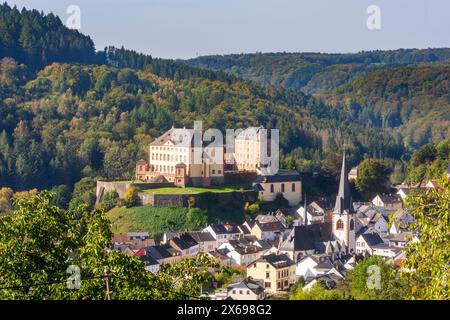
344 200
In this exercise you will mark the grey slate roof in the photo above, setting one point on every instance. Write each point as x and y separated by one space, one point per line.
279 177
277 261
304 238
225 228
247 283
184 241
372 239
201 236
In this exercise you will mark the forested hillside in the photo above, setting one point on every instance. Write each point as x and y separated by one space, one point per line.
94 115
413 101
71 121
313 72
36 39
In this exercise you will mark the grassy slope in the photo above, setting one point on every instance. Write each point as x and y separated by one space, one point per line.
155 220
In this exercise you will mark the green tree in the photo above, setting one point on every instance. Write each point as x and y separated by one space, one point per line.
318 291
373 176
41 241
373 278
110 200
83 193
61 196
428 258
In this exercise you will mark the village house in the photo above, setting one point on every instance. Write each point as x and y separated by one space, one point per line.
205 240
220 257
388 201
185 244
223 232
241 252
370 216
175 158
246 289
366 241
313 266
164 254
288 184
150 264
277 272
267 231
284 215
318 211
384 250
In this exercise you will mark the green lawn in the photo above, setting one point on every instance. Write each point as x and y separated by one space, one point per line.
155 220
197 190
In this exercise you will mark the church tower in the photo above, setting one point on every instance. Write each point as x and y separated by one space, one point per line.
344 214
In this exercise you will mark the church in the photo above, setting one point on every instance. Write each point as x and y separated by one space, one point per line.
336 238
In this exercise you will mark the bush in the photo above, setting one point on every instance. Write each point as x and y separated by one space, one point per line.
197 218
110 200
131 197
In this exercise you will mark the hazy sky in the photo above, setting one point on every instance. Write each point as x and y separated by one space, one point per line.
187 28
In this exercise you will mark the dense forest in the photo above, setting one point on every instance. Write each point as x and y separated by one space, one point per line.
314 72
413 101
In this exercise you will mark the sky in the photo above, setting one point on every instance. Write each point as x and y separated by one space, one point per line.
189 28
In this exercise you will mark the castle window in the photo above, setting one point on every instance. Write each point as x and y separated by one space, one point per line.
352 225
339 225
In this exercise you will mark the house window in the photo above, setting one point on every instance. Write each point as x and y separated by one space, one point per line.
219 171
240 292
267 275
293 187
352 225
234 291
267 266
282 187
286 283
339 225
267 285
271 188
214 172
248 291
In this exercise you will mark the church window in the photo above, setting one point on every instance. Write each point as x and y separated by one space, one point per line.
339 225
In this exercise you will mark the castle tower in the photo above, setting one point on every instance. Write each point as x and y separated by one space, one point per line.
344 215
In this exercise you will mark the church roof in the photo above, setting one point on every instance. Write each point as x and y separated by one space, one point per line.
304 238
